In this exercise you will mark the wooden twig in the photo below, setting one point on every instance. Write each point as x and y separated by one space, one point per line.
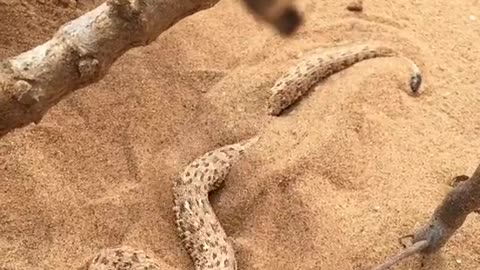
409 251
447 218
450 215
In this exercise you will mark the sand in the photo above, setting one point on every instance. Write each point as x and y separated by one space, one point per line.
331 185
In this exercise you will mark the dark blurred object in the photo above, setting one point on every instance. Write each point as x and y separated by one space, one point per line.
355 6
281 14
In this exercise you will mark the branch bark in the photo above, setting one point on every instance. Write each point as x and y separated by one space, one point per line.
447 218
409 251
82 51
450 215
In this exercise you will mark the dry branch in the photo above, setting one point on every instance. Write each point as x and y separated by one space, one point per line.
82 51
409 251
448 217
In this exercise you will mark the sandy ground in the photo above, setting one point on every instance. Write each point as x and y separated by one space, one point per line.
332 184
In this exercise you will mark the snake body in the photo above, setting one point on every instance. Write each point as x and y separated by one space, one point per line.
322 63
200 231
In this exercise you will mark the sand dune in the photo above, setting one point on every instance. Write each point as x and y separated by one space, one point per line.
332 184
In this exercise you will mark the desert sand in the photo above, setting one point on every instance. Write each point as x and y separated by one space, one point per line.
332 184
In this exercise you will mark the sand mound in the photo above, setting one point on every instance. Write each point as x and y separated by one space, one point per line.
331 185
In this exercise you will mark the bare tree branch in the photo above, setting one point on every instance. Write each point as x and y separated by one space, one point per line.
82 51
409 251
450 215
447 218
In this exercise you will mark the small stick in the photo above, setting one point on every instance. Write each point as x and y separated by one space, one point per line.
446 219
407 252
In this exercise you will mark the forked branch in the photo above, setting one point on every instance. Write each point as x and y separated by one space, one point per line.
447 218
409 251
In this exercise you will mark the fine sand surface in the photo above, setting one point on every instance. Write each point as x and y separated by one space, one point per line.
332 184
